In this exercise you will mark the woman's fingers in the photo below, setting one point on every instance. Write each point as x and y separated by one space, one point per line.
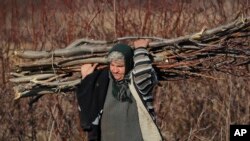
95 65
87 69
141 43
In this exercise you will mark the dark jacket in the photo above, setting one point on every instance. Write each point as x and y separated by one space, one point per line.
91 94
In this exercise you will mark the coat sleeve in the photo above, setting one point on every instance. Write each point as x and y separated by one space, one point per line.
84 101
91 94
144 76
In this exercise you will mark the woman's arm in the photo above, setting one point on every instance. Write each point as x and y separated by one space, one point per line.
143 72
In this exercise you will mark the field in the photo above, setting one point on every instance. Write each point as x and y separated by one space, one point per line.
191 109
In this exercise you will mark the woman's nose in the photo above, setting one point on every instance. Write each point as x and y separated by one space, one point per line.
115 69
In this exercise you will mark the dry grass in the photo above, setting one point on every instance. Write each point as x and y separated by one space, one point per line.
202 109
189 109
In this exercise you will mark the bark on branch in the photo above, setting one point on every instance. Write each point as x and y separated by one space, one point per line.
224 48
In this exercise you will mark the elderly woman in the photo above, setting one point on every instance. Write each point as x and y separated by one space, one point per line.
116 103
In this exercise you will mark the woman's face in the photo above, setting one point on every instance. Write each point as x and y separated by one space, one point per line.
117 69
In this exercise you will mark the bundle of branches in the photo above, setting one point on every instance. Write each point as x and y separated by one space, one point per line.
224 48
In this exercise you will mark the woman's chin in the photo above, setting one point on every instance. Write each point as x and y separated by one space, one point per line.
118 78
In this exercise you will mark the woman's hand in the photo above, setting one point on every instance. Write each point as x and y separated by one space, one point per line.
87 69
141 43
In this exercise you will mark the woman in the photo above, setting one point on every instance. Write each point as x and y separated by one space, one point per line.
116 104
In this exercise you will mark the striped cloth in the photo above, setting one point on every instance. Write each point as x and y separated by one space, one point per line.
144 77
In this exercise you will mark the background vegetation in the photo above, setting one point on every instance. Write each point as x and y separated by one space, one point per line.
189 109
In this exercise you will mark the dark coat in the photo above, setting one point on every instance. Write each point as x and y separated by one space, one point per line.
91 94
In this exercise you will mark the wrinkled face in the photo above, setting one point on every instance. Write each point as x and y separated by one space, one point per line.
117 69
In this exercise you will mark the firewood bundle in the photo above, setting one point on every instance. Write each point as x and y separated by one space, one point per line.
224 48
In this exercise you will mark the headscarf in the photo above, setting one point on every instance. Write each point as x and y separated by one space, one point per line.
128 54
